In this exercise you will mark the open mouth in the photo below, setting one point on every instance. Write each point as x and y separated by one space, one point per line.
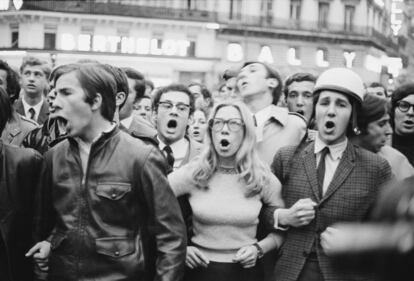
409 122
172 124
62 122
196 133
301 112
224 143
329 124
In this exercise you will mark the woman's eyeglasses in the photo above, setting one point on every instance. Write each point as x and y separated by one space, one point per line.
404 106
234 124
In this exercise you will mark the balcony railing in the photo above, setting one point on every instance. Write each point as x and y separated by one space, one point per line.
241 21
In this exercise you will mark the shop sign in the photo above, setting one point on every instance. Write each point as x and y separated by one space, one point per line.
127 45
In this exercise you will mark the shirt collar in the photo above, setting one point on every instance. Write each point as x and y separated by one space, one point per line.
272 111
36 107
127 121
336 150
176 146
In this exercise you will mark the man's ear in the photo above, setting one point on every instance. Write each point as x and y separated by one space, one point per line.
272 82
120 98
97 102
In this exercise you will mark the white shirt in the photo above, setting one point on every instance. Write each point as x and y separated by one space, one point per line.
36 108
127 121
332 158
179 150
265 114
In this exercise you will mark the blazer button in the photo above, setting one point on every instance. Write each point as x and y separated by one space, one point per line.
117 253
113 195
305 254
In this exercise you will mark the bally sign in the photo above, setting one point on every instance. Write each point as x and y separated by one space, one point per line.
128 45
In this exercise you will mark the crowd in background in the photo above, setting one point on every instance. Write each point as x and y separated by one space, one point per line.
93 157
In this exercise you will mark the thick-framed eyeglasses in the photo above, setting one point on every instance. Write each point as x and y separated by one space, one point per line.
404 106
181 107
234 124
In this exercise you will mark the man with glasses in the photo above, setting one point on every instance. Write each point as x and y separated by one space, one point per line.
402 119
173 108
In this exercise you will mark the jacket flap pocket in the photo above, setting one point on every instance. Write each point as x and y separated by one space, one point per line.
113 191
115 247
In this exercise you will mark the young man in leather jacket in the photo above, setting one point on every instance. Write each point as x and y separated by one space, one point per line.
105 210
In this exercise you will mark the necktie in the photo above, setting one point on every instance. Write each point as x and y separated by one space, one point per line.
32 113
321 170
169 155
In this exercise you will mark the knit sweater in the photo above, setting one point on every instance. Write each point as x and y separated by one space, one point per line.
224 218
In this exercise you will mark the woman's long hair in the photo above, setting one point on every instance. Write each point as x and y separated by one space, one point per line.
252 171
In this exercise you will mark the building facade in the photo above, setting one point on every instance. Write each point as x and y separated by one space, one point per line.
196 40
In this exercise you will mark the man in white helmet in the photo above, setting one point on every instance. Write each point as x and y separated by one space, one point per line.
325 181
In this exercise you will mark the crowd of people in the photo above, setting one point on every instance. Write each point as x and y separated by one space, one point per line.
106 177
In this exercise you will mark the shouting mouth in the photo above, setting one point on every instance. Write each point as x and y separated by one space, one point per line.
301 112
329 126
172 124
224 143
62 122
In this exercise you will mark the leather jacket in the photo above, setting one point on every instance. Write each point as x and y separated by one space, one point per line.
119 221
19 169
44 137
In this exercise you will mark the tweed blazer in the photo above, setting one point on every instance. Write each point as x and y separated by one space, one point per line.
43 114
349 197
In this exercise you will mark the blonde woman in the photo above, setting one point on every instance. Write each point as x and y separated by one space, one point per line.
227 187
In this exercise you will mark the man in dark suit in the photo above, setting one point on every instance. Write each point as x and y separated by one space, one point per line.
325 181
18 126
34 81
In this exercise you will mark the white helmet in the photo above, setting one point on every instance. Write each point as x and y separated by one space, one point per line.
342 80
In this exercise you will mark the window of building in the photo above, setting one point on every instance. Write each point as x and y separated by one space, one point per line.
323 14
295 6
15 39
349 17
191 51
50 41
235 9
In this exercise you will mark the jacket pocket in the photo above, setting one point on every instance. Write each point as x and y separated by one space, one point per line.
115 247
113 191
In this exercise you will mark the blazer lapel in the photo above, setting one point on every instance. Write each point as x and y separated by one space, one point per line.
345 167
19 107
43 114
309 164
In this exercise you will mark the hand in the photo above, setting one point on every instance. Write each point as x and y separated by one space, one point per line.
333 239
195 258
40 253
300 214
247 256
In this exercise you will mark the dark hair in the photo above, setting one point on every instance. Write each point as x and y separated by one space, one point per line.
139 89
6 109
204 91
132 73
373 108
94 79
173 88
32 61
298 77
149 84
12 79
375 85
229 73
271 73
121 80
400 93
